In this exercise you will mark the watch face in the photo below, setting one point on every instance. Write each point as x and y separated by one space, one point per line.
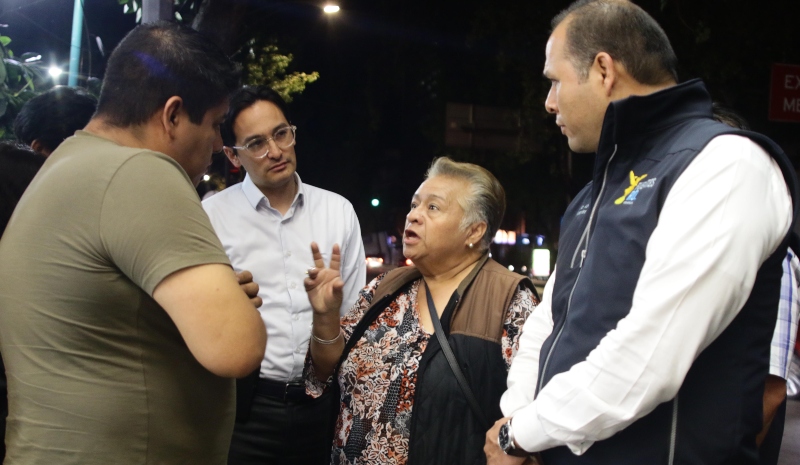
503 438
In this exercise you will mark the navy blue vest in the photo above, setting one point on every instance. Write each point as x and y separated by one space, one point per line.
717 413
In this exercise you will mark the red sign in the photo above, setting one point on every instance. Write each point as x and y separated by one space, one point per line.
784 93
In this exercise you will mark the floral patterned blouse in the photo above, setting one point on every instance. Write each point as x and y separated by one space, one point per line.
380 375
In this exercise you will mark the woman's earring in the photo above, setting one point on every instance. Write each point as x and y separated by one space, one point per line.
471 245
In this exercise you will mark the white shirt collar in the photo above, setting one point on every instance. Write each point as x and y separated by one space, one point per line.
255 196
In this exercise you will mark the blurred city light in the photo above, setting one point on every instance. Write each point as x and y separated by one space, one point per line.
505 237
55 71
330 9
33 58
206 178
375 202
541 262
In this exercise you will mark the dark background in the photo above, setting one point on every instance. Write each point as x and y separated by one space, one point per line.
372 123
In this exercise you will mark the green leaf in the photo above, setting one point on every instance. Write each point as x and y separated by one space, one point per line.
3 72
5 40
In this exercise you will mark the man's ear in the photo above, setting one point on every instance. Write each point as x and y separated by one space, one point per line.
38 147
605 68
171 114
232 156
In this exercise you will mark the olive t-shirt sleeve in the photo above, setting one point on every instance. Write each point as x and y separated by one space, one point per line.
152 223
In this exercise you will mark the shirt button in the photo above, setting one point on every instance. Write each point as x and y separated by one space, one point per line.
292 286
295 317
288 254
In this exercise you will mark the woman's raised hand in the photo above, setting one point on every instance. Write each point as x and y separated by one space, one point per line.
324 284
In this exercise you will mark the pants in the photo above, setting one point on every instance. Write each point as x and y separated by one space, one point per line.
283 433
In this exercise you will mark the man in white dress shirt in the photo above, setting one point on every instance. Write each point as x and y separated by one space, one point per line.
266 224
651 343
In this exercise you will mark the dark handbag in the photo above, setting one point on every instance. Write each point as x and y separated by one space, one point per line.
453 362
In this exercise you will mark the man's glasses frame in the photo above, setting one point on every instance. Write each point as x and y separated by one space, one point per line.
280 138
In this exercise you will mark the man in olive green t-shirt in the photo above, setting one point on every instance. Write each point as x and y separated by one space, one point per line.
121 321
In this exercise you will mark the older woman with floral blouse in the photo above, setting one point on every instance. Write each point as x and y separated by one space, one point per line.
400 400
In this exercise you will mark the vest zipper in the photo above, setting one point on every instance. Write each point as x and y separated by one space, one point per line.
586 234
674 432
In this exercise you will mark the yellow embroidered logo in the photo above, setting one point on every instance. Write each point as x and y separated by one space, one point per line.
634 182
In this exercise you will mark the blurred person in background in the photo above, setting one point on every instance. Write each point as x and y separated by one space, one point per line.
46 120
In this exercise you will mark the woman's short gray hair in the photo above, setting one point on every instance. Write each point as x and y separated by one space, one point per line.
486 200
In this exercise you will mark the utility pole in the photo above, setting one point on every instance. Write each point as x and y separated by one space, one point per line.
75 44
155 10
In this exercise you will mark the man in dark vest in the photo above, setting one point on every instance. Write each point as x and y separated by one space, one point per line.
651 344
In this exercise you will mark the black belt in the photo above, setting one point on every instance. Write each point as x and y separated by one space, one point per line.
294 391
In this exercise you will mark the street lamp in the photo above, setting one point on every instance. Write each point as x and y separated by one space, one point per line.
330 8
55 71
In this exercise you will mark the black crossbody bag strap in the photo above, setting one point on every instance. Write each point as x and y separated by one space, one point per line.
451 360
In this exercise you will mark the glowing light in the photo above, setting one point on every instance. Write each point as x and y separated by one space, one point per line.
375 202
541 262
374 262
331 9
55 71
505 237
409 262
510 267
206 178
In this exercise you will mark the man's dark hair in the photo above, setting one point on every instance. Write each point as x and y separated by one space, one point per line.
727 116
157 61
244 98
18 165
53 116
624 31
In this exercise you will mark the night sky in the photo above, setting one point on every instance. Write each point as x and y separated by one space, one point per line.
372 123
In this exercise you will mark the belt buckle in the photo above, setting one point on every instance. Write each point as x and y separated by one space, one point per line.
285 392
288 386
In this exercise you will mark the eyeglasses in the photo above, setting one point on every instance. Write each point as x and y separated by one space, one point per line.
283 139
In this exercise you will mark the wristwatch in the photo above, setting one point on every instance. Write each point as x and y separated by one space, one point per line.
506 440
